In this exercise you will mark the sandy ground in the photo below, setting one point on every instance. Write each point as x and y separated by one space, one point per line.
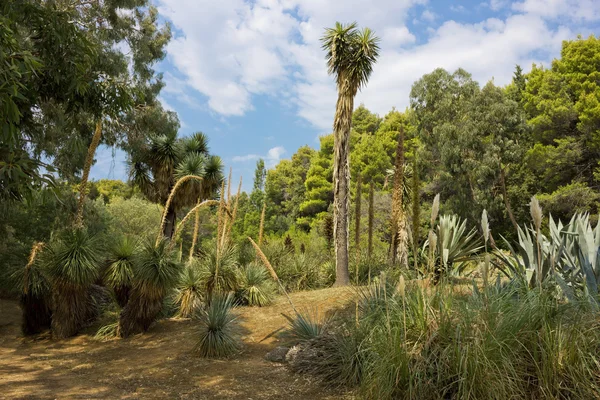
158 364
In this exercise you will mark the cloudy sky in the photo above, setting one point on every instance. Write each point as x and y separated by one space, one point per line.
252 75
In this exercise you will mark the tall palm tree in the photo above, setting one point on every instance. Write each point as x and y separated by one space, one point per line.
155 167
351 54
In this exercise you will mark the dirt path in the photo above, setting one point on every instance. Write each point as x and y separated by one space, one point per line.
157 364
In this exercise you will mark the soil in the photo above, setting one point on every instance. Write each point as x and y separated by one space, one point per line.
159 363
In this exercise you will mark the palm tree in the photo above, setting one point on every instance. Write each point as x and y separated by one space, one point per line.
350 57
155 167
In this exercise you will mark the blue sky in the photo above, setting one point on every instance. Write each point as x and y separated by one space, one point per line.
252 76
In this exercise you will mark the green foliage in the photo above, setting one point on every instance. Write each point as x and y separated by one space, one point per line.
256 287
133 217
500 343
217 336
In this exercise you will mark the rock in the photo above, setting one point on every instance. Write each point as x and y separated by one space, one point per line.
278 354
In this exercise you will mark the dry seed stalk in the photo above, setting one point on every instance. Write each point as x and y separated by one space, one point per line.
235 208
262 224
35 249
180 226
269 268
168 203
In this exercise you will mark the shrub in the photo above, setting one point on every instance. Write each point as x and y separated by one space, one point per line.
218 271
217 330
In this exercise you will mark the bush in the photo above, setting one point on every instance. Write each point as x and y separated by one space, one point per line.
305 325
217 329
118 274
133 217
503 342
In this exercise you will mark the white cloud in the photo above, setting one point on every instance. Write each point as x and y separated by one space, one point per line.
428 16
497 5
271 158
232 50
577 10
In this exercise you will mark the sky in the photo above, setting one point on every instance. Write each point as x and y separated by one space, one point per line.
252 74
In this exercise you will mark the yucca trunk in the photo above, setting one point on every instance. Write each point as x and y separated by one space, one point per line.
399 248
141 310
37 313
86 171
122 293
169 226
341 178
36 297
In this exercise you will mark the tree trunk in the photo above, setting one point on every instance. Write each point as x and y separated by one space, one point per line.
399 248
341 181
506 200
357 216
86 171
371 218
416 210
169 227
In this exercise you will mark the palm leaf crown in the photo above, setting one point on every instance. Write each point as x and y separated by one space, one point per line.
351 54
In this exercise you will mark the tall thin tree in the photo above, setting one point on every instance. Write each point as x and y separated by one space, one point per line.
399 249
351 54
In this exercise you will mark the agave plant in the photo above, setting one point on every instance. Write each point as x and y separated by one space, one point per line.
218 335
156 270
256 288
452 245
118 274
72 264
189 293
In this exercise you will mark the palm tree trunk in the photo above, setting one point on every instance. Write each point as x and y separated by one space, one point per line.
399 250
86 171
341 182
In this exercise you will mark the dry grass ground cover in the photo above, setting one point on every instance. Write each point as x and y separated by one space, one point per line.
158 364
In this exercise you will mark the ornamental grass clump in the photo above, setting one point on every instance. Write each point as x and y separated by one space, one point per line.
72 265
217 328
256 288
156 272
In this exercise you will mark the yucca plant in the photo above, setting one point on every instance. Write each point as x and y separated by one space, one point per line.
189 293
72 264
256 288
218 269
305 325
118 274
218 336
156 270
36 297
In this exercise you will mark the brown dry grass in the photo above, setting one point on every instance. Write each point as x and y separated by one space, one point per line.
158 364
